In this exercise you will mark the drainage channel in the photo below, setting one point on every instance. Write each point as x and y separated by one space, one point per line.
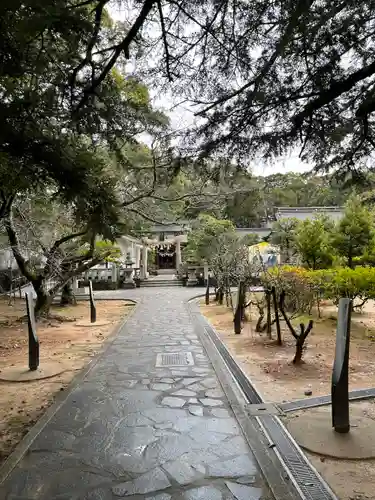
303 404
306 480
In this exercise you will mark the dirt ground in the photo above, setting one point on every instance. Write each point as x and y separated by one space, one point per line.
270 369
350 479
23 403
269 365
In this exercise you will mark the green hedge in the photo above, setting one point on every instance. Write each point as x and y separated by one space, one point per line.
304 286
356 284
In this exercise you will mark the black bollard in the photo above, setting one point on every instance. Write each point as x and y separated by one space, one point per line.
340 371
33 339
238 315
277 319
92 305
207 296
267 294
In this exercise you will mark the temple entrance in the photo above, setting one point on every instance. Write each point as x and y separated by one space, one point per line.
165 257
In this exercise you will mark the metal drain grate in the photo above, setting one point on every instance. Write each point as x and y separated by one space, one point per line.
309 483
175 359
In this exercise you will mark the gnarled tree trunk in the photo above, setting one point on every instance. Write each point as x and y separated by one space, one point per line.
301 338
219 296
43 299
299 350
67 295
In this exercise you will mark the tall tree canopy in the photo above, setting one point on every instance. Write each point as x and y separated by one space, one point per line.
42 139
265 76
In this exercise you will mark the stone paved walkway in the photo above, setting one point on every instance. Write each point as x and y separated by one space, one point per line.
136 430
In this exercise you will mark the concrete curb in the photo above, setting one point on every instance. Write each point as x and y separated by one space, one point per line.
23 446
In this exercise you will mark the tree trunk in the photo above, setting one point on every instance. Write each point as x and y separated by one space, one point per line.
237 321
350 261
230 299
318 305
239 309
67 295
258 326
243 304
43 301
299 351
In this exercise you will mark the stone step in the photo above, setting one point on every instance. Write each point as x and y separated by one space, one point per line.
166 272
164 283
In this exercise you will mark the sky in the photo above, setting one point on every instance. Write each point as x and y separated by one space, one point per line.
182 116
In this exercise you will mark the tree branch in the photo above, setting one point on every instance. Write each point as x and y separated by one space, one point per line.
301 7
75 272
284 315
165 41
52 252
147 217
64 239
121 47
15 245
6 204
88 58
336 89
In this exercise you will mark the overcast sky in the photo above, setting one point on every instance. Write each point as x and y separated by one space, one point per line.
182 116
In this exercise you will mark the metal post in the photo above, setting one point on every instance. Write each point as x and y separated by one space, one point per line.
340 371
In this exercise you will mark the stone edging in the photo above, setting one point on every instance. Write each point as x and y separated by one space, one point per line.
316 401
23 446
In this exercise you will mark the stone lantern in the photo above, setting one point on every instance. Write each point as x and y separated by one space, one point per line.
128 272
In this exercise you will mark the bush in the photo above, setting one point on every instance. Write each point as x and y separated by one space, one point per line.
357 284
296 283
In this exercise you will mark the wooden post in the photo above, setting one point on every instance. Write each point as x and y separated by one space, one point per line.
92 305
277 319
340 371
207 297
268 303
238 315
33 339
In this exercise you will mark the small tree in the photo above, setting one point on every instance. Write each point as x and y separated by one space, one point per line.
297 285
226 260
355 232
108 250
203 239
230 264
312 242
283 235
250 239
301 337
53 242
